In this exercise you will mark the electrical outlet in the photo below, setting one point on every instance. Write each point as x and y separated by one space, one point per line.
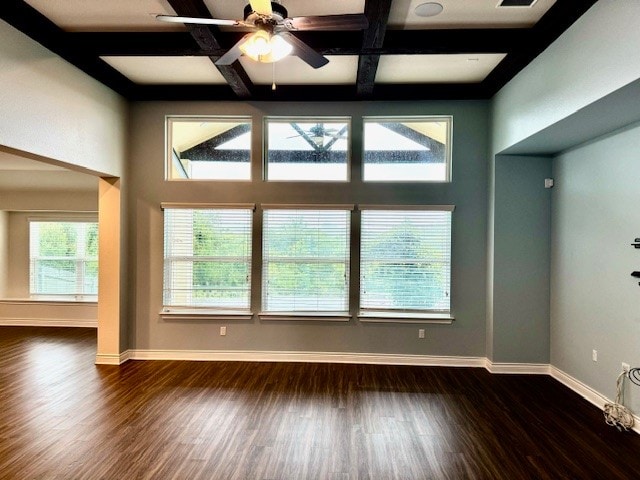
421 333
626 367
594 355
223 331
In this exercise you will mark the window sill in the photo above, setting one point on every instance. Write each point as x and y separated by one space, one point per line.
204 314
405 317
306 316
45 301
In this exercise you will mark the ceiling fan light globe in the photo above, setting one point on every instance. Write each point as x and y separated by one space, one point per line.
280 48
257 45
265 48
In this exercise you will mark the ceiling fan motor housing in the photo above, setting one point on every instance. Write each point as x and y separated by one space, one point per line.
279 14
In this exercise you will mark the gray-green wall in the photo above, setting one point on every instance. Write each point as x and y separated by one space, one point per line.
467 191
581 87
521 256
595 303
595 57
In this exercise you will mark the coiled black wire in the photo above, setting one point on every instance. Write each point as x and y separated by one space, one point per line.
634 375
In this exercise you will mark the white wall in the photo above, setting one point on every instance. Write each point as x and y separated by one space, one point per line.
590 60
595 303
4 251
48 314
51 109
34 200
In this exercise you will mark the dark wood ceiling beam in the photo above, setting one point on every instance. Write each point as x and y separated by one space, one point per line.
558 18
212 143
32 23
415 136
397 42
206 38
310 93
377 12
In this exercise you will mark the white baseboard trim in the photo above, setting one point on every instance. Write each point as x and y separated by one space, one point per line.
589 394
48 322
113 358
577 386
515 368
306 357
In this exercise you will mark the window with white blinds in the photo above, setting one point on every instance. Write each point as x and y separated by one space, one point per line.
305 260
63 257
405 261
207 258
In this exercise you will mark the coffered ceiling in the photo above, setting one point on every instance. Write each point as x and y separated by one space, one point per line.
469 50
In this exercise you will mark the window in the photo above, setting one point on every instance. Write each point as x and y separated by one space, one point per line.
405 268
63 259
306 260
209 148
207 257
307 149
408 149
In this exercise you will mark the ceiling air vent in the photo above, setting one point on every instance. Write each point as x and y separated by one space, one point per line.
517 3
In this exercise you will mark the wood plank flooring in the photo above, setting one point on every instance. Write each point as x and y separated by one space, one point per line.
62 417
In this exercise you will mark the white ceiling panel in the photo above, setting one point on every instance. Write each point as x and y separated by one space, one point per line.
466 13
233 9
167 70
341 70
467 68
106 16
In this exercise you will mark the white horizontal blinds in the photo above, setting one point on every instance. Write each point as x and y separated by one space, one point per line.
305 260
405 260
207 257
63 258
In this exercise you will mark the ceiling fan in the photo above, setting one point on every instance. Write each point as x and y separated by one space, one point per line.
317 134
272 39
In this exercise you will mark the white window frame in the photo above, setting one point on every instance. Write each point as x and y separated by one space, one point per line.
192 311
80 259
448 119
306 119
170 120
399 315
337 315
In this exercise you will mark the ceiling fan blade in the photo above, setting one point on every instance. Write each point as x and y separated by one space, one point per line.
304 51
198 21
350 21
234 53
263 7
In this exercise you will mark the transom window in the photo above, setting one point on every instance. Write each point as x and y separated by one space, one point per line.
207 257
307 149
207 148
405 261
63 257
409 149
305 260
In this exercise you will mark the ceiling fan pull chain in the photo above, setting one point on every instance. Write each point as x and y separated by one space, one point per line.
273 75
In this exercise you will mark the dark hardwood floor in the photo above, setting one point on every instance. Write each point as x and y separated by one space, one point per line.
62 417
